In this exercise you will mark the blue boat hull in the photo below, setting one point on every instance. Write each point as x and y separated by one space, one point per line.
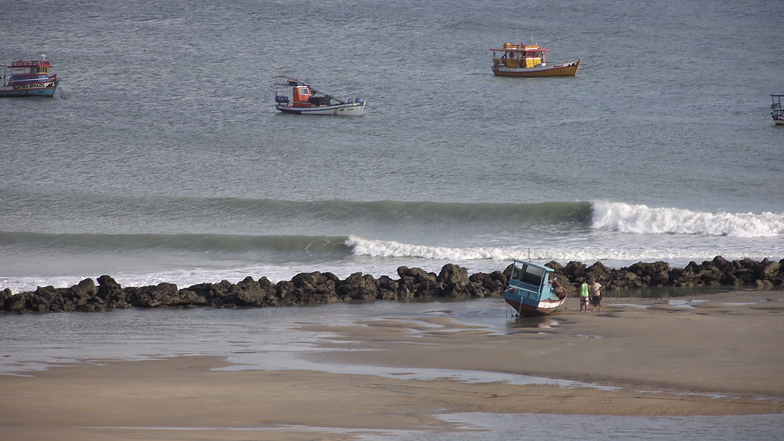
532 289
532 305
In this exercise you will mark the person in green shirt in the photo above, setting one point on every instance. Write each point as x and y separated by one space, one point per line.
584 296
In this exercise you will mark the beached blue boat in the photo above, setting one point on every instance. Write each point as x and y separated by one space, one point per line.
29 78
530 290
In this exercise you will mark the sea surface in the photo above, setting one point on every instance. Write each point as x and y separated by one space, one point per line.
162 158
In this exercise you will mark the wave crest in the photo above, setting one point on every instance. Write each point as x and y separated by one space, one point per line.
389 248
641 219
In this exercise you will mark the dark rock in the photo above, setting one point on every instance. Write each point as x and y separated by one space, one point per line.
599 272
388 289
453 280
17 303
162 294
84 291
557 267
487 285
283 289
5 295
573 270
358 287
769 270
418 282
315 287
625 279
722 264
651 274
254 294
112 293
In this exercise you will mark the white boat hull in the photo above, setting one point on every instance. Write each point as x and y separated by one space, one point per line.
46 88
347 109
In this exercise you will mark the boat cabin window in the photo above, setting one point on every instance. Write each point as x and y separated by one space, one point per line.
531 275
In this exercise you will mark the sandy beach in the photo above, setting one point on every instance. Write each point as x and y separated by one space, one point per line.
720 354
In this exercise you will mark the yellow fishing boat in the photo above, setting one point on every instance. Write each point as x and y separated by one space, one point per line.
529 60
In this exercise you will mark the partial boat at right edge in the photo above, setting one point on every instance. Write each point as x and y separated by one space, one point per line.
778 112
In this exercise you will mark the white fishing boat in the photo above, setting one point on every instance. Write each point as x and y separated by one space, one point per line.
305 100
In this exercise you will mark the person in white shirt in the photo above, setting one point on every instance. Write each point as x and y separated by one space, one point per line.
596 295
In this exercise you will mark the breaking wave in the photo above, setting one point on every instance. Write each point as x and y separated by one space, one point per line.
641 219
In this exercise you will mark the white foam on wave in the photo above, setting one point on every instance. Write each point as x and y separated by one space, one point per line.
609 252
641 219
390 248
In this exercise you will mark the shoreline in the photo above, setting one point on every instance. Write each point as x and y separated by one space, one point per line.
719 354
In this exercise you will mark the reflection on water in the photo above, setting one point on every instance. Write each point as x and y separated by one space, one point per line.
669 291
541 322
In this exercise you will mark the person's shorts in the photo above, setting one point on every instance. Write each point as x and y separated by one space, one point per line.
584 301
596 300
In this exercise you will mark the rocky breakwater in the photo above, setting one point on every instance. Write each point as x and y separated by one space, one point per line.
313 288
305 288
765 274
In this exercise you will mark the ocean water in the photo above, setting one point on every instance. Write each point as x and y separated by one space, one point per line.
163 159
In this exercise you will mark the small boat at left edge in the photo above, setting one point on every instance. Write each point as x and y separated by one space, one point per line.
306 100
29 78
531 289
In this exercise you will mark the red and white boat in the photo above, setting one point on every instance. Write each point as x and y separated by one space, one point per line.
529 60
29 78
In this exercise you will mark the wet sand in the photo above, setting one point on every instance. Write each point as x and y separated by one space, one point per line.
721 354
